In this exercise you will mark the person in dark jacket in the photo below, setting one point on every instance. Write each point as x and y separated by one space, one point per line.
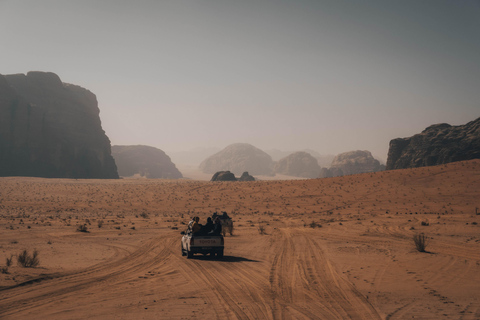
217 227
208 227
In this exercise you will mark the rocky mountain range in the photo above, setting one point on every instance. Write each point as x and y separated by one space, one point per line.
145 161
298 164
437 144
238 158
352 162
322 159
51 129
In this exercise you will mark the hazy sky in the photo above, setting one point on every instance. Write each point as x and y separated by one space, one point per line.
332 76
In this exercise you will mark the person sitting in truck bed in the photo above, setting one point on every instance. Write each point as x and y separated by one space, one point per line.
208 227
196 227
217 227
225 216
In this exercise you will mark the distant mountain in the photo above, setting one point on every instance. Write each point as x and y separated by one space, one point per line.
238 158
298 164
352 162
277 154
194 156
437 144
146 161
51 129
323 160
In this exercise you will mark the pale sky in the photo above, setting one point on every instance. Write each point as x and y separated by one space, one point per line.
332 76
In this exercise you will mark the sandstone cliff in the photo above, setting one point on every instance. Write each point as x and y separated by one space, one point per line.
51 129
437 144
238 158
146 161
298 164
353 162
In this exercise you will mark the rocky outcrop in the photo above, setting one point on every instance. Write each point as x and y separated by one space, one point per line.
354 162
298 164
437 144
145 161
223 176
238 158
246 177
51 129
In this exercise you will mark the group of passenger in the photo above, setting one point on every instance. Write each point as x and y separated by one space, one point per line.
212 227
223 216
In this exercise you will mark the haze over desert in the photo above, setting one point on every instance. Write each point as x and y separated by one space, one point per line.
342 138
333 248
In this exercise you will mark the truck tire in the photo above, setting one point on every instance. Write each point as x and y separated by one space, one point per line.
220 254
189 254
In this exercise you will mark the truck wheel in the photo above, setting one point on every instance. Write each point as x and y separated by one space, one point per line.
220 254
189 254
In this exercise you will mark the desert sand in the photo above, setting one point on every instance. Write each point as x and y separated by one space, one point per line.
335 248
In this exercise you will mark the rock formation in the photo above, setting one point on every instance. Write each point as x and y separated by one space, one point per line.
246 177
238 158
354 162
223 176
146 161
298 164
437 144
51 129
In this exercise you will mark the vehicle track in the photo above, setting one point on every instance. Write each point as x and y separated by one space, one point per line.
21 298
288 277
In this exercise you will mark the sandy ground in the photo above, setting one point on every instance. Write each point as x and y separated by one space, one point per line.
337 248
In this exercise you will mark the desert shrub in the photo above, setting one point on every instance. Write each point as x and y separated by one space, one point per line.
420 241
425 223
4 270
261 229
144 215
100 223
28 261
82 228
8 261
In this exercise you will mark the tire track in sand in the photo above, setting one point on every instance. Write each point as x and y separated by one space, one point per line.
21 298
314 290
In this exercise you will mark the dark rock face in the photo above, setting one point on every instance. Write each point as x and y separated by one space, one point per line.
298 164
51 129
246 177
354 162
148 162
238 158
223 176
437 144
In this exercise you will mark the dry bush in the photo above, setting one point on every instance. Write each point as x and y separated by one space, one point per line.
9 261
314 225
28 261
261 229
425 223
82 228
100 223
4 270
420 241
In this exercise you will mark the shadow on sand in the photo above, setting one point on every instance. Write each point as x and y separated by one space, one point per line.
224 259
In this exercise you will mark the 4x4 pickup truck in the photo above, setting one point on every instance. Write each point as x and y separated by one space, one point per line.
204 244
